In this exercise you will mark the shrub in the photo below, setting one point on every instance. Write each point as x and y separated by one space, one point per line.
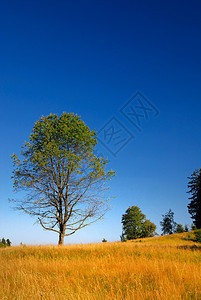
179 228
198 236
193 227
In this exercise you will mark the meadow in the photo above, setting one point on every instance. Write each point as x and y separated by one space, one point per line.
167 267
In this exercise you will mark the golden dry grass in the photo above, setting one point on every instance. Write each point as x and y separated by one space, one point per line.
155 268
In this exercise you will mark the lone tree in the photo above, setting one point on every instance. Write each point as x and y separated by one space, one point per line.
194 207
64 181
168 224
135 224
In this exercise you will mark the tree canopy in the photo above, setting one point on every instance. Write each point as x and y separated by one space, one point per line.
64 181
135 224
194 207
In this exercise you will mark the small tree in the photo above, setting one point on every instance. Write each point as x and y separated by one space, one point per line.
148 229
8 242
179 228
135 224
168 224
104 240
3 241
63 179
186 228
132 222
194 207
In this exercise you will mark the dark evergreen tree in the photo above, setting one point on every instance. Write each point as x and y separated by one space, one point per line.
194 207
168 224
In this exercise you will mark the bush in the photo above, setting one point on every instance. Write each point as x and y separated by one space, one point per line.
193 227
198 236
179 228
104 240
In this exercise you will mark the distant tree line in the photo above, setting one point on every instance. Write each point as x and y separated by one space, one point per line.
135 225
5 242
169 226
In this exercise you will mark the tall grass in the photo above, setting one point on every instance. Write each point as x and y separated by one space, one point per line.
155 268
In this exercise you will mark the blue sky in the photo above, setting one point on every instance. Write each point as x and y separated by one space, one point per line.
91 58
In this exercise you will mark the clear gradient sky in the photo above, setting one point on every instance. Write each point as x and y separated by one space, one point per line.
91 57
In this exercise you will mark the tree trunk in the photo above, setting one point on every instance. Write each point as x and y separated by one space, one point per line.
61 238
61 234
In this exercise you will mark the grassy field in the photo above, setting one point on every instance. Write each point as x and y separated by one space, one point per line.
153 268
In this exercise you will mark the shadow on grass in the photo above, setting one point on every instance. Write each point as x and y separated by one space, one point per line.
187 247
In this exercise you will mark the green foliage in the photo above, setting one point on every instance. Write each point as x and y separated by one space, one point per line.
198 236
194 207
148 229
8 242
193 227
63 179
104 240
179 228
186 229
135 224
4 243
132 222
123 238
168 224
